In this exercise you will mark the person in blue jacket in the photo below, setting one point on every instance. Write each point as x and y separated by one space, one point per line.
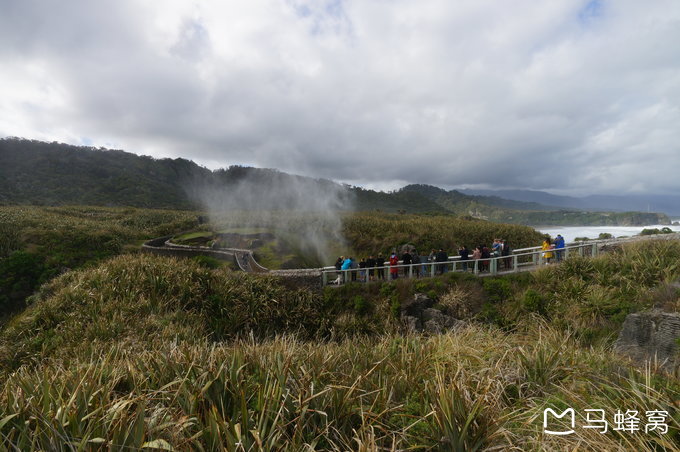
346 265
559 246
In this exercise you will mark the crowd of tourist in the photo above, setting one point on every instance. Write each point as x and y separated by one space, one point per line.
412 264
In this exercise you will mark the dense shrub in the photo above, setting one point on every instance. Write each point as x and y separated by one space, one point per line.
20 275
497 289
533 301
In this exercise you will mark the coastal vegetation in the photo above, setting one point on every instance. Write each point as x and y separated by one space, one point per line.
118 349
38 243
653 231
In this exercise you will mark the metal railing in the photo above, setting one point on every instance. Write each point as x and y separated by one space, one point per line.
519 260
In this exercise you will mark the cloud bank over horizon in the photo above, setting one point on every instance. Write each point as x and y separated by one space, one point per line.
572 97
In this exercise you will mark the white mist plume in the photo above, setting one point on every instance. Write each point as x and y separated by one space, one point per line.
307 210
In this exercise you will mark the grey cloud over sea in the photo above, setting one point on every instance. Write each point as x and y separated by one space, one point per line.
570 96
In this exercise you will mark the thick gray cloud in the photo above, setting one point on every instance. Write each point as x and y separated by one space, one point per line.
571 96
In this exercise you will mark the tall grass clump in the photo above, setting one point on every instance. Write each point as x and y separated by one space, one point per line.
477 389
142 298
591 297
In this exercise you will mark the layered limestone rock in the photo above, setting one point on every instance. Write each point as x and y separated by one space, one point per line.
651 335
419 316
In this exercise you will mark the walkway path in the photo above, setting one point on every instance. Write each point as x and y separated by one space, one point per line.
525 259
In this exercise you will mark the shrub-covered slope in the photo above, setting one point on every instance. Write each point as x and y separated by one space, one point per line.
131 354
38 243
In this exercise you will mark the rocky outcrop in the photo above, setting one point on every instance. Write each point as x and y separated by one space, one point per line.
651 335
418 316
413 307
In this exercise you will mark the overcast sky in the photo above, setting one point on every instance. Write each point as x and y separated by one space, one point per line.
570 96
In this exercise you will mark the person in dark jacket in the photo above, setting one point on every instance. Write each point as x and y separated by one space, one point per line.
380 265
464 254
407 259
370 264
507 261
417 268
441 256
362 270
486 254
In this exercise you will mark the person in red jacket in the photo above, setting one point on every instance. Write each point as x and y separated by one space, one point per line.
394 261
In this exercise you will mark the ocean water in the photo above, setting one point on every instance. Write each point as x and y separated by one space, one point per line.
571 232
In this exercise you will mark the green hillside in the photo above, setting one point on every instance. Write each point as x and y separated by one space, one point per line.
53 174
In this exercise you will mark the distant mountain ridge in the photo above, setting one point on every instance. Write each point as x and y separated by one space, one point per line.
668 204
454 197
35 172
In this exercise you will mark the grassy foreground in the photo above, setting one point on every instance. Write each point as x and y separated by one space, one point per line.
131 351
479 389
157 353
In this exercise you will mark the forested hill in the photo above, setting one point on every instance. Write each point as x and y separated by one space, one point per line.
35 172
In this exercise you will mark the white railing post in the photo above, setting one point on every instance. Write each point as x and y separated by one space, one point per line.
324 278
515 261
